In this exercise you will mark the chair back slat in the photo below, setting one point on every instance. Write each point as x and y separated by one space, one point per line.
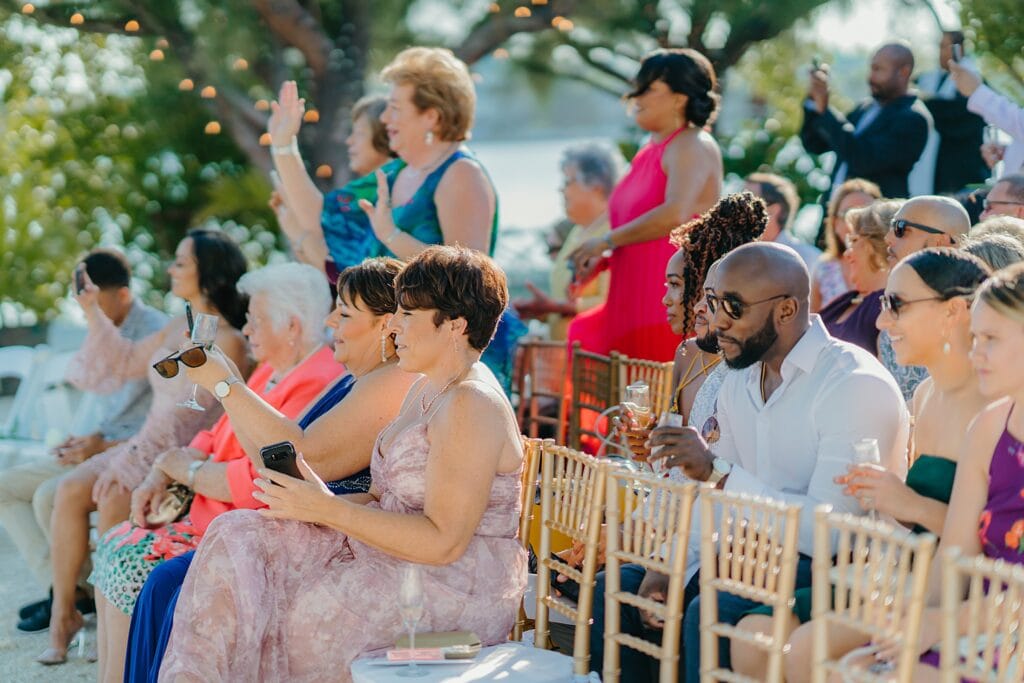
658 377
531 470
748 548
654 516
594 390
876 585
989 648
539 380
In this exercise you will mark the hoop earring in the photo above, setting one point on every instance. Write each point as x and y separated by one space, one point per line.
429 137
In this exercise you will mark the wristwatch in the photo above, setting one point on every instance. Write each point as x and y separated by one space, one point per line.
222 388
720 469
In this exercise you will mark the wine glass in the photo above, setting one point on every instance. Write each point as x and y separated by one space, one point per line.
410 606
204 333
990 136
865 454
637 400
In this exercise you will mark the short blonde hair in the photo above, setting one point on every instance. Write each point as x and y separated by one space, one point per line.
833 249
441 82
871 222
1004 292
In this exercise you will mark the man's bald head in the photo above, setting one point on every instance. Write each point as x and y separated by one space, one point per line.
931 221
768 266
891 67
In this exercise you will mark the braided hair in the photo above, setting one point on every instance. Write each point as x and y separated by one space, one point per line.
735 220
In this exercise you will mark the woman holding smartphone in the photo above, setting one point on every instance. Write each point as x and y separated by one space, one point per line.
206 268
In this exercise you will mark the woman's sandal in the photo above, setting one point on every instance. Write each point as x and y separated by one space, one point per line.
52 656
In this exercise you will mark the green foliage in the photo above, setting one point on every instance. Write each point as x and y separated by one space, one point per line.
995 27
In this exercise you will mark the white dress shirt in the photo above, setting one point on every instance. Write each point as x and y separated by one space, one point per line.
832 394
1001 112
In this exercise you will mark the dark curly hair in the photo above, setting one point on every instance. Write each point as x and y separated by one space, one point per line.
220 263
735 220
686 72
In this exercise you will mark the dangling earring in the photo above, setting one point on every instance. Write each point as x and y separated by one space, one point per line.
383 348
946 348
429 137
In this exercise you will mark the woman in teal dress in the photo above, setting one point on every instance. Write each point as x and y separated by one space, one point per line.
926 311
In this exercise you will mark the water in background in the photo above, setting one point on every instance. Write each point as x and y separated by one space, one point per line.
527 176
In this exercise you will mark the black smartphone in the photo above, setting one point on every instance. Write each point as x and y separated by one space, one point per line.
958 52
569 588
281 457
80 279
189 319
815 63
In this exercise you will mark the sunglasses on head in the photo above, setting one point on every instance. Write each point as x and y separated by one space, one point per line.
733 306
168 367
891 303
899 228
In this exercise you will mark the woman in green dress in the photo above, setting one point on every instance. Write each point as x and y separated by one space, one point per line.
926 311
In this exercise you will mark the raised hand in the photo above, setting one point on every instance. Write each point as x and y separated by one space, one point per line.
380 213
286 115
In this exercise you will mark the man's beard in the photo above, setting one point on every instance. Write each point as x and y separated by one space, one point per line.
753 349
708 343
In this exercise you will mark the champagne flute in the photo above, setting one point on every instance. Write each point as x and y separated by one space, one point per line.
204 333
865 454
410 606
990 136
637 400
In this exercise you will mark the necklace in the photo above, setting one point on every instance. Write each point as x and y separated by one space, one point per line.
432 166
427 405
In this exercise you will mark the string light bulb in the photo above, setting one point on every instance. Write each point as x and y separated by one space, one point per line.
28 8
494 8
77 19
324 171
262 105
265 140
500 53
186 84
131 26
157 55
163 44
311 116
208 93
522 13
212 128
240 64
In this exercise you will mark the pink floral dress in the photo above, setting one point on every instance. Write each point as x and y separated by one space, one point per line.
104 362
280 600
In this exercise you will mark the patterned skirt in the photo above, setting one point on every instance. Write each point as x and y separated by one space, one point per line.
126 554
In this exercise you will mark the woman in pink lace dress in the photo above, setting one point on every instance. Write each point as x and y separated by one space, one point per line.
298 591
206 267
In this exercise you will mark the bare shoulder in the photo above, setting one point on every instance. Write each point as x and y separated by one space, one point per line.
390 382
984 431
464 170
695 142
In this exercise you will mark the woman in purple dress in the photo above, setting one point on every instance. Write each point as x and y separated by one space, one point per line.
986 513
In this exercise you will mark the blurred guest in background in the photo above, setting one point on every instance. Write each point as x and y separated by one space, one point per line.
829 278
997 111
783 202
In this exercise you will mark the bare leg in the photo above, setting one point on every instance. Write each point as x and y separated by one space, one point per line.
801 654
751 661
111 624
69 534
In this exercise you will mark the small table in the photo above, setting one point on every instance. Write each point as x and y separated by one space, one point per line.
508 663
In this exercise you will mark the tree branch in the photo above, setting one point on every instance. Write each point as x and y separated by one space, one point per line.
495 28
295 26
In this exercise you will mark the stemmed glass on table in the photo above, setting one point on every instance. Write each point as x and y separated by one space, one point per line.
410 606
204 333
865 454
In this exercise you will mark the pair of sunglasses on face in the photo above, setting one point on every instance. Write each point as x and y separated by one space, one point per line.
734 306
168 367
893 304
899 228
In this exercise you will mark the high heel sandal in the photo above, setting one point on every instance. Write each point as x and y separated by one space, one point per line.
52 656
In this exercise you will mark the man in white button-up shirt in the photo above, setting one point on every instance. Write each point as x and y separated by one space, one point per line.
788 416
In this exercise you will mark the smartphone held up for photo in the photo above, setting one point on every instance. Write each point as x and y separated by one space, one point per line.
80 278
281 457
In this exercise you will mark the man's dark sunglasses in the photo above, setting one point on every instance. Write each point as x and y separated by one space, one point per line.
733 306
168 367
899 228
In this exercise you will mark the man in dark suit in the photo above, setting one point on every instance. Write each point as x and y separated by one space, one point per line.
882 138
959 161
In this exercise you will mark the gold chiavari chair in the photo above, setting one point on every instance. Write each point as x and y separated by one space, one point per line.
748 548
531 469
985 628
876 586
594 380
540 380
654 514
572 492
658 377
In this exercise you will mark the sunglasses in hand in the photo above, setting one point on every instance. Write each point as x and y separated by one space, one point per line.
168 367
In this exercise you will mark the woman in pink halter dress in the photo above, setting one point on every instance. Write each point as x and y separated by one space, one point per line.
299 596
675 176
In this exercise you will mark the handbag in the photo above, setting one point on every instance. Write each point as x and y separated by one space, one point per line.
175 504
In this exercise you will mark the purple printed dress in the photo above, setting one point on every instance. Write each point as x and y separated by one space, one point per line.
1001 527
281 600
